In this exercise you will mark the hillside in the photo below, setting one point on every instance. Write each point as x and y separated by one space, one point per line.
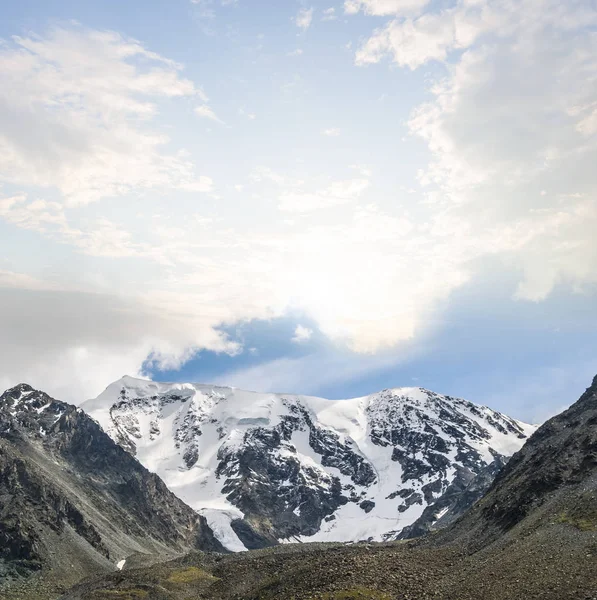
72 502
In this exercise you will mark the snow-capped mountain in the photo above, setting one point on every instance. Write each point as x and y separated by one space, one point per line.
266 467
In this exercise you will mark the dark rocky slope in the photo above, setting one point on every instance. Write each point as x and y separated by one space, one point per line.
532 536
72 502
535 532
555 470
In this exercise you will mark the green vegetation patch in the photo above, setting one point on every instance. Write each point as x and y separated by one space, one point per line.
190 575
579 523
584 514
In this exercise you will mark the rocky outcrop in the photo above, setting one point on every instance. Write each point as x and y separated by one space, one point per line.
73 501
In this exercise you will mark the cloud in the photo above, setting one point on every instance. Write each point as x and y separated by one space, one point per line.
373 266
500 132
304 18
296 52
72 344
329 14
205 9
9 279
302 334
337 193
206 112
99 237
364 170
210 2
543 392
76 107
384 7
332 132
263 173
243 113
412 41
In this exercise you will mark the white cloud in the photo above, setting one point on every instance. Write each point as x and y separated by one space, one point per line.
243 113
209 2
500 131
101 237
262 173
10 280
75 112
433 35
384 7
302 334
543 391
206 112
332 132
304 18
329 14
296 52
364 170
72 344
337 193
206 9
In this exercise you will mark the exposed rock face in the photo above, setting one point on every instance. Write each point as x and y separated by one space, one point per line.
74 502
466 489
552 478
398 462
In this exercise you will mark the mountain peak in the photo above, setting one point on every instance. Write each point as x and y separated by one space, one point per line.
264 467
17 391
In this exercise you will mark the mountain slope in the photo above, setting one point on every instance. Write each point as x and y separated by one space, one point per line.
269 467
72 502
532 536
554 476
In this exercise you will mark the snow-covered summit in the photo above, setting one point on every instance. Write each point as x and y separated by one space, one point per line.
263 467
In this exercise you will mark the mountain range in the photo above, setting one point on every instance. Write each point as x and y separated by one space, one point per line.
147 490
533 535
270 468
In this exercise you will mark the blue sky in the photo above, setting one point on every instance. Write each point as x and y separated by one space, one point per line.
326 197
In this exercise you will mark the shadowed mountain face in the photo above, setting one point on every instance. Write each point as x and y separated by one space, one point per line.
72 502
554 476
532 536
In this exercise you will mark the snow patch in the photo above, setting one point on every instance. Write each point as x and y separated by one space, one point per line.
219 522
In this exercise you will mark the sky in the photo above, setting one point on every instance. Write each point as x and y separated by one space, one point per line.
328 197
